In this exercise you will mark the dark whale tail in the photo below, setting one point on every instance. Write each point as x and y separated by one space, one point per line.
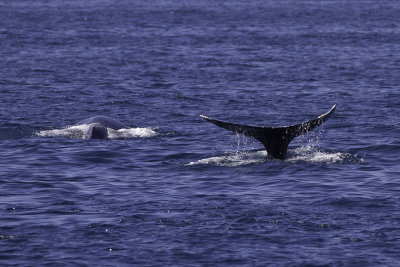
274 139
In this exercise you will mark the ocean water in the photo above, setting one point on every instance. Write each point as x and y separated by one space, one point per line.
173 189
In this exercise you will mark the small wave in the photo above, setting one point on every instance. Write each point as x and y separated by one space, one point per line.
79 132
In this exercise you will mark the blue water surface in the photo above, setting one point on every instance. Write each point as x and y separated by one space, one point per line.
173 189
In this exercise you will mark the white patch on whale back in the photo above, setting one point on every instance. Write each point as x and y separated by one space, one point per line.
79 132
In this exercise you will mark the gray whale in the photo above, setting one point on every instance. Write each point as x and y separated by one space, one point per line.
98 126
275 139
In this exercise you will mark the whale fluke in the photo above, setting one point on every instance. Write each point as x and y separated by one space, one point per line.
274 139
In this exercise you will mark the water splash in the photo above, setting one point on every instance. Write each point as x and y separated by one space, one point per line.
131 133
79 132
73 132
233 159
313 154
308 151
309 154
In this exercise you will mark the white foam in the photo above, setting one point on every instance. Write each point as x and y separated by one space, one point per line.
312 154
233 159
131 133
74 132
79 132
300 154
